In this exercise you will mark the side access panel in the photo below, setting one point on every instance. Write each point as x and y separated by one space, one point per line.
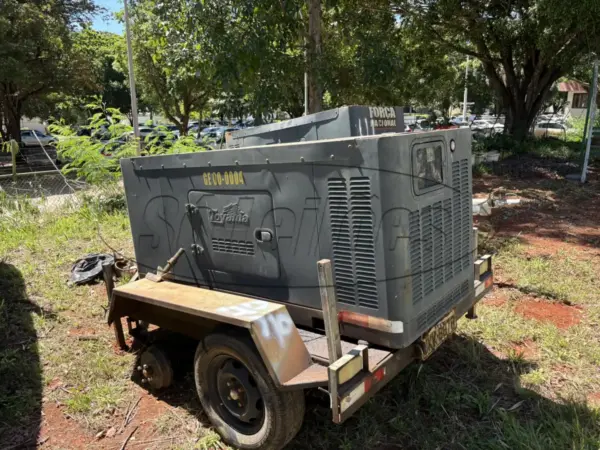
234 230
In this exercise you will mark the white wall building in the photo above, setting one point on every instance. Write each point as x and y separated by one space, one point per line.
577 97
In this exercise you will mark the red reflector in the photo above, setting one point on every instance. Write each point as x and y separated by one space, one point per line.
368 384
374 379
354 318
489 281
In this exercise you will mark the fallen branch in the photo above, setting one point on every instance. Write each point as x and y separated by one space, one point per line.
128 414
128 437
88 337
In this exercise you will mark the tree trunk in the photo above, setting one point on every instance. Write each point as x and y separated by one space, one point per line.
185 119
518 122
12 117
315 94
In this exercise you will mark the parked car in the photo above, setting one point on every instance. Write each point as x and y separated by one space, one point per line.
458 121
207 132
550 129
487 126
33 138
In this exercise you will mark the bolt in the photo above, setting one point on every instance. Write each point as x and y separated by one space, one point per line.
145 366
139 368
332 156
267 160
141 167
144 381
184 165
209 164
149 378
302 158
162 166
237 163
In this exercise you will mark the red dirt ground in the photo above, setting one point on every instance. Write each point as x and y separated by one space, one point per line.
495 298
81 331
59 431
528 349
545 221
561 315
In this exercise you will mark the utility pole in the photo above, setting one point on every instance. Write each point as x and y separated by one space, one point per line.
591 121
466 91
134 110
306 79
312 84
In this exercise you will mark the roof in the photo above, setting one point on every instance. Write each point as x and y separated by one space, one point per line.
573 86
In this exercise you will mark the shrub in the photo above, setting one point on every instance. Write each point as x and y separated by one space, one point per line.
93 152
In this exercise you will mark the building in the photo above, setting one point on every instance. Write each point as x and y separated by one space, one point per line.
577 97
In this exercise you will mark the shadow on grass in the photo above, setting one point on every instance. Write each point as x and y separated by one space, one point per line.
20 370
464 397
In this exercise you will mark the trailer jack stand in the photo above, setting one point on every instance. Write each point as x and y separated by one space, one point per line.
472 312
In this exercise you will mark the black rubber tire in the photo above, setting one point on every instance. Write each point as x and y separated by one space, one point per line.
284 410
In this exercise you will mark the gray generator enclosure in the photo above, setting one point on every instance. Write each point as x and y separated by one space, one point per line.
331 124
393 213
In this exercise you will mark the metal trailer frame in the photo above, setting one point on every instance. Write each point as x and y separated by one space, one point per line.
295 358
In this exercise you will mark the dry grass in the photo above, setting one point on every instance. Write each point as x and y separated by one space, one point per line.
480 390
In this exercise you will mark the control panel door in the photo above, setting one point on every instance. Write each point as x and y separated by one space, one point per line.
234 232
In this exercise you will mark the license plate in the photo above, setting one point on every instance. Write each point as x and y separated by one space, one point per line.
431 340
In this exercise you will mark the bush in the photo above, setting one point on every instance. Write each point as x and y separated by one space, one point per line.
108 200
541 148
93 152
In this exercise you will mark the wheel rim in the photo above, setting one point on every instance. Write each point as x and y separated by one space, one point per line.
237 398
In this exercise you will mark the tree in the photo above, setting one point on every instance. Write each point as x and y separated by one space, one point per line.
524 46
36 53
98 78
363 51
258 52
170 59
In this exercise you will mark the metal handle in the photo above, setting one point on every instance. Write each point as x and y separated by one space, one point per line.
263 235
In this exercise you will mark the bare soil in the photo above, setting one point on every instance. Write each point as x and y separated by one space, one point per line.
561 315
58 430
527 349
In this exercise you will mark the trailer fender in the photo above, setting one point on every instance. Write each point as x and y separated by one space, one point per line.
270 325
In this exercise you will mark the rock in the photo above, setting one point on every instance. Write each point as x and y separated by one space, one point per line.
111 432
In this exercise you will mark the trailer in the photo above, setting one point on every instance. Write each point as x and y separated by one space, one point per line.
396 266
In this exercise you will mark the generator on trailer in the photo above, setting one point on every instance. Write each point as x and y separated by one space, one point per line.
329 263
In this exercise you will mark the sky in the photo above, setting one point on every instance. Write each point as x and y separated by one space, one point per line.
101 23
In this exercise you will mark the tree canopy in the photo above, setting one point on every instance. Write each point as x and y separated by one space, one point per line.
36 53
524 46
235 58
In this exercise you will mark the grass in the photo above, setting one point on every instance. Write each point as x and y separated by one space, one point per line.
536 147
477 392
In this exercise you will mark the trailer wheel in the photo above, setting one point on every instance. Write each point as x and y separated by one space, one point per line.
239 396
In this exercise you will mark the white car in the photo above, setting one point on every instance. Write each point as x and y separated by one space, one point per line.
33 138
484 125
